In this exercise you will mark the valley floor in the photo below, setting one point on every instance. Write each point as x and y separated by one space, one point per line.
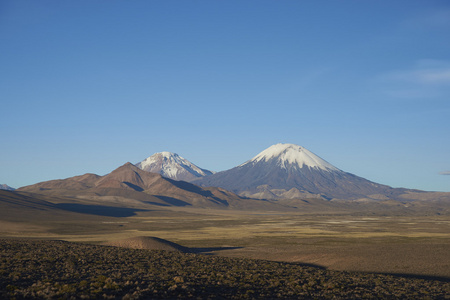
411 245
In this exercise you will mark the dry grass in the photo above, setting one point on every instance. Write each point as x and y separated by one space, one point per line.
390 244
149 243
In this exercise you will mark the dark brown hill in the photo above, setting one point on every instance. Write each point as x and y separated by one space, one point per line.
15 206
25 207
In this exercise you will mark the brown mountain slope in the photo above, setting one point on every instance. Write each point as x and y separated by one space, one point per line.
130 182
73 183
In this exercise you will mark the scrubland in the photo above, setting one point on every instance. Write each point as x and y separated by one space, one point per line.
32 269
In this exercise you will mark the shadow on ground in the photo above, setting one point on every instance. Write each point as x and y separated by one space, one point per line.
417 276
173 201
212 249
99 210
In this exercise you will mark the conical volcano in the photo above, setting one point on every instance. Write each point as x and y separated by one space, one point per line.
291 156
292 171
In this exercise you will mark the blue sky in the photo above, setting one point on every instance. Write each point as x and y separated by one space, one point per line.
86 86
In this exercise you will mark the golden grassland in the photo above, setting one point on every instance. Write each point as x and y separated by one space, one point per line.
351 242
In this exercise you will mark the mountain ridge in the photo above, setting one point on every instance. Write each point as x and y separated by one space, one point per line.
282 171
130 182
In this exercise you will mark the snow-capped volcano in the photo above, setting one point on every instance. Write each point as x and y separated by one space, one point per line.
173 166
292 155
292 171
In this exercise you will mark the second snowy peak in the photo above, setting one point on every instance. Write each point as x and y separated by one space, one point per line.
172 166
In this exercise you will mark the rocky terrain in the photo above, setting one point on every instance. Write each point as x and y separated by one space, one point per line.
33 269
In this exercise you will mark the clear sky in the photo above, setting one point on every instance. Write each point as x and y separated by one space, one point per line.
86 86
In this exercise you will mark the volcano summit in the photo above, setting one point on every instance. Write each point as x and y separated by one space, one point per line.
172 166
292 171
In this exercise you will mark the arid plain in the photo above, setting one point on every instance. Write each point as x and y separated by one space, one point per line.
388 239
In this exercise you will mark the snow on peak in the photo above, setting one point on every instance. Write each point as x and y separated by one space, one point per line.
171 165
290 154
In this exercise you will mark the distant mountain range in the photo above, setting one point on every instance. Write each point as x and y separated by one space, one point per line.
278 178
286 171
284 177
6 187
130 182
172 166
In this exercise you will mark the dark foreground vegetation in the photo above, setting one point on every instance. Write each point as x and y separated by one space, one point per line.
63 270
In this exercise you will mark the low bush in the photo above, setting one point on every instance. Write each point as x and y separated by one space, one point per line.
32 269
